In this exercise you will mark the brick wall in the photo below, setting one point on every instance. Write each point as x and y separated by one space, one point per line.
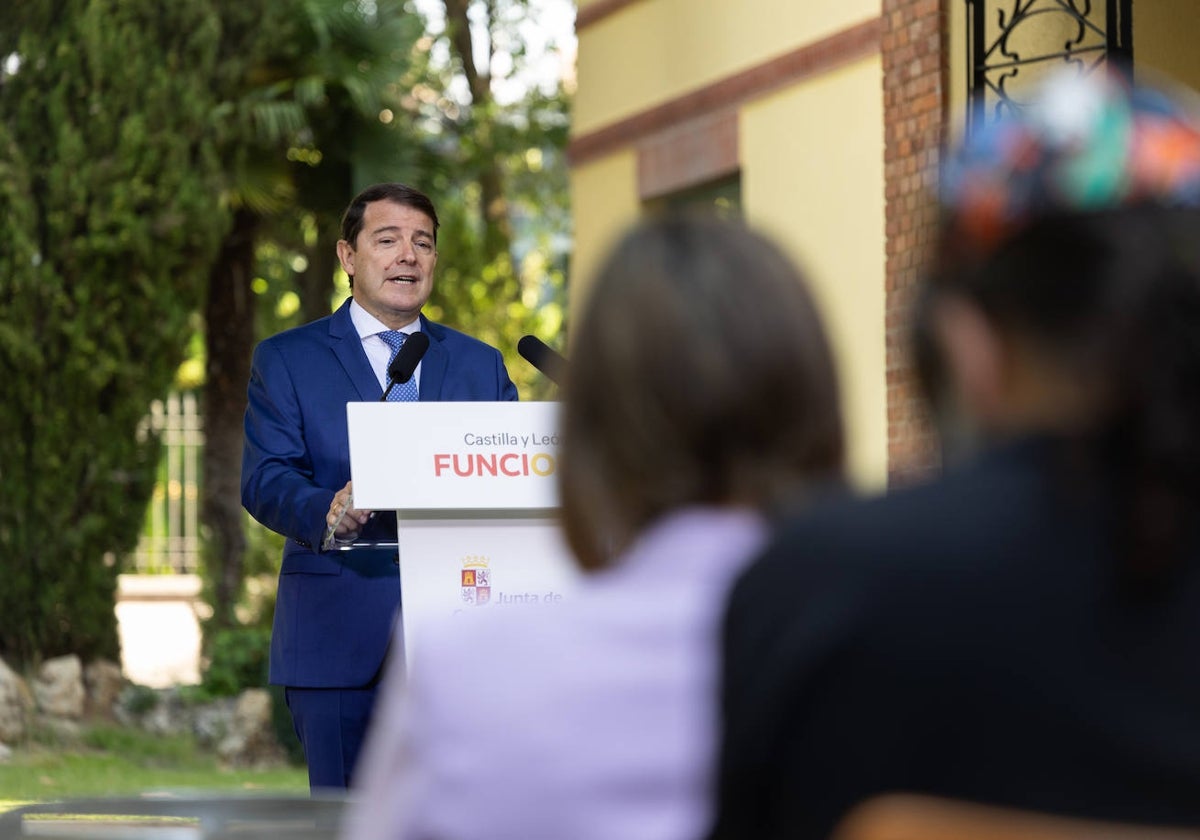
914 68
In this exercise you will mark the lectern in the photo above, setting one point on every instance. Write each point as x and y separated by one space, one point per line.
474 489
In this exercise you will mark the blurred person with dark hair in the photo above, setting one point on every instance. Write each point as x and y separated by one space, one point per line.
701 397
1024 631
335 609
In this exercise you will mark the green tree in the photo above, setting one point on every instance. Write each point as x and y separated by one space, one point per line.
109 198
303 87
341 96
501 184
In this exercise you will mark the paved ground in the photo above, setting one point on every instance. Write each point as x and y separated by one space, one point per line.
159 629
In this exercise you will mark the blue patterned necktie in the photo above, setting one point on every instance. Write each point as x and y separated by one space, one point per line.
402 391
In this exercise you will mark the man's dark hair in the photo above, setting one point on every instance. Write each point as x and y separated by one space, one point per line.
402 194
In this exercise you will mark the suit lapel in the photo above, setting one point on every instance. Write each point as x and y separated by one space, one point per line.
347 346
433 363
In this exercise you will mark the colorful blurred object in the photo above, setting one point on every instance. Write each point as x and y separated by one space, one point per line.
1084 143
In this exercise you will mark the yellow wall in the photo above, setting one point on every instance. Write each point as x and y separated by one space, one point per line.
956 82
813 178
656 50
811 160
1164 39
604 201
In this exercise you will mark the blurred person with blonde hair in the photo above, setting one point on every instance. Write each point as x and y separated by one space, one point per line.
701 398
1023 631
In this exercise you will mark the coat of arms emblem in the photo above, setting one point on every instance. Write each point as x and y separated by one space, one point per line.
476 581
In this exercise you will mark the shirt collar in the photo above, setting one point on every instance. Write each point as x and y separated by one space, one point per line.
367 324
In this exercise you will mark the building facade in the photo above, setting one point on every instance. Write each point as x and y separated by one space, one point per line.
821 122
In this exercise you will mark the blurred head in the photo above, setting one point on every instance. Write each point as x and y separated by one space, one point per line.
1066 297
1061 224
389 249
701 376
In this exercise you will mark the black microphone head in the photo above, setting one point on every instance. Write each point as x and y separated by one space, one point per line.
543 357
402 367
530 348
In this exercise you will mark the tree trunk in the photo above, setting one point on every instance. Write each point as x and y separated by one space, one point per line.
316 283
493 204
229 322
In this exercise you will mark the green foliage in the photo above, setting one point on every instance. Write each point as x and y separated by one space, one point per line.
303 88
112 761
236 660
235 656
139 699
489 300
134 744
264 553
108 192
500 276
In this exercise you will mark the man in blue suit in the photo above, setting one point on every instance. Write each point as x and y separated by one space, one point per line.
335 610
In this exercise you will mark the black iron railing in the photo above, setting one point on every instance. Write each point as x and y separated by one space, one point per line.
1011 42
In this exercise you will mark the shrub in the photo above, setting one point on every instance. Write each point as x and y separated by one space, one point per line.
237 660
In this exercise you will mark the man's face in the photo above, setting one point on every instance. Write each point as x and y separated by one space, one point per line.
391 262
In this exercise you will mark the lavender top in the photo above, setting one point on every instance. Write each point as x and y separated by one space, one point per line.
595 718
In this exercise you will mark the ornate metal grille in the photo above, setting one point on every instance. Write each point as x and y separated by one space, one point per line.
1010 43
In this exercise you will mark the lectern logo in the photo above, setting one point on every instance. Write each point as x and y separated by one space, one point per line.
476 580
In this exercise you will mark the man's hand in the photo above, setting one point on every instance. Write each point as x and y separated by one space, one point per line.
345 520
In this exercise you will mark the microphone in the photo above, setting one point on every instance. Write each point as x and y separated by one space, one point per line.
405 364
545 358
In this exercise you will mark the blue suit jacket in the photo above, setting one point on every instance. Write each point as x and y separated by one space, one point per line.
334 611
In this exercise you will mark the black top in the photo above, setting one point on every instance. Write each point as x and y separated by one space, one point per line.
975 638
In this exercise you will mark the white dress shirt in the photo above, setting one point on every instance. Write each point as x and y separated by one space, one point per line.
378 351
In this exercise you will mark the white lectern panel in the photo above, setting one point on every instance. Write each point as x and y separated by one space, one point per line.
475 492
455 566
453 456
